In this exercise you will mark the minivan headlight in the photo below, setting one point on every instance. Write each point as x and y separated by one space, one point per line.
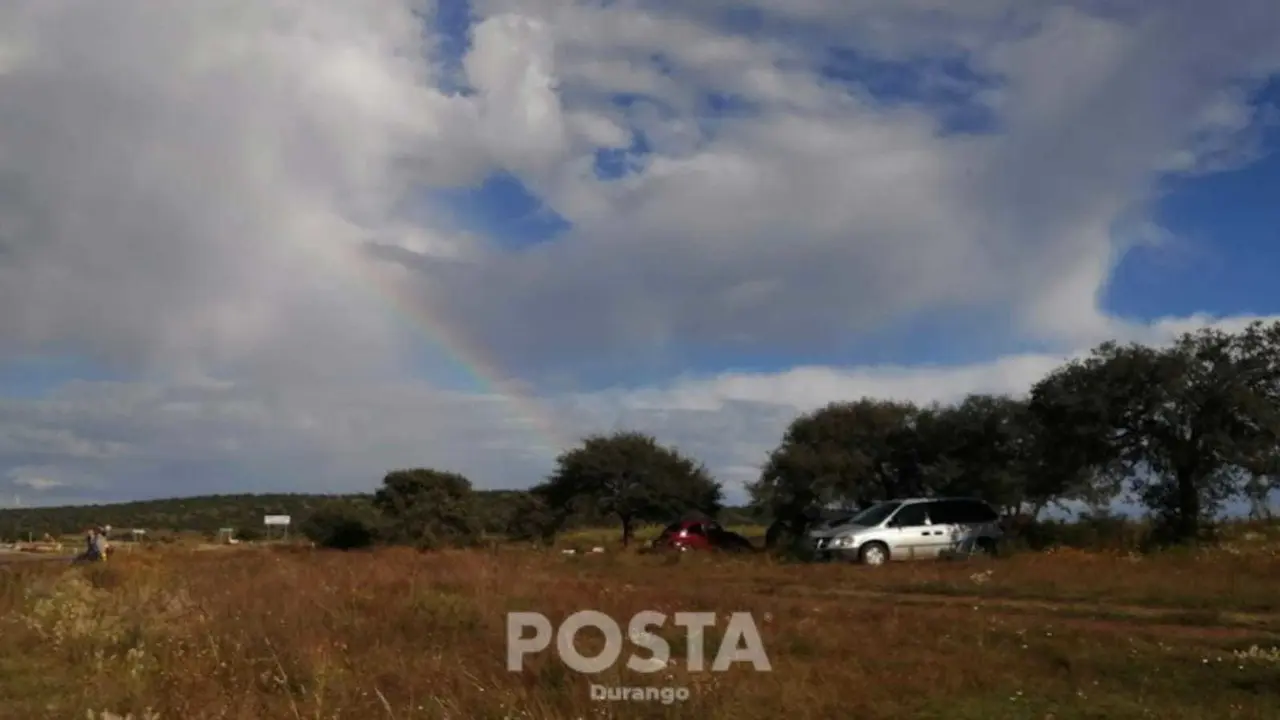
844 541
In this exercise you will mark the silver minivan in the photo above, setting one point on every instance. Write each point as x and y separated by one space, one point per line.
911 529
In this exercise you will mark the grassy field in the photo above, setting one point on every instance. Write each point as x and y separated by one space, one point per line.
251 633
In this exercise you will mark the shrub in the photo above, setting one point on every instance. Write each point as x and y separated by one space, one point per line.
249 534
341 526
531 519
428 509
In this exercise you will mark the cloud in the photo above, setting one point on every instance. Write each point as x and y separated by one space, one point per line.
822 211
185 188
39 484
230 207
129 440
123 440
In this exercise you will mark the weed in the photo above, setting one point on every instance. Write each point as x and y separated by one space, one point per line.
393 633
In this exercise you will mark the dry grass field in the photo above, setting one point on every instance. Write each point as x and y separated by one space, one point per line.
255 633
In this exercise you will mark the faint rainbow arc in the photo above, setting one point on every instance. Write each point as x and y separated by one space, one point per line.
486 374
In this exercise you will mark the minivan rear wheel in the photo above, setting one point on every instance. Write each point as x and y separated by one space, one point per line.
874 553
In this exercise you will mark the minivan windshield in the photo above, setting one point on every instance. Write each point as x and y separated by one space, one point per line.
874 515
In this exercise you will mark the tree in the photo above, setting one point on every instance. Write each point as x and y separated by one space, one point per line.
1185 422
849 454
530 519
629 476
994 447
428 508
981 447
342 525
790 492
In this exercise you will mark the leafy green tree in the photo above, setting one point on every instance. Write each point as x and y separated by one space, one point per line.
1185 423
979 448
530 519
342 525
629 476
428 508
849 454
994 447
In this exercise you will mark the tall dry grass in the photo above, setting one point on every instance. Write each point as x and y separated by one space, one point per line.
251 634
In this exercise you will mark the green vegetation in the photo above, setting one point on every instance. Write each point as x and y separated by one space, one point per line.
1180 430
500 512
630 477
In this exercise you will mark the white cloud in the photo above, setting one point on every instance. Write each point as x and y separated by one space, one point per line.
823 212
39 484
185 187
189 194
130 440
511 65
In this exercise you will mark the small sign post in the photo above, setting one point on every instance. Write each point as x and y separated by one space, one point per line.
280 521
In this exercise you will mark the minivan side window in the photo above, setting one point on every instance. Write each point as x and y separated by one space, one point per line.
965 512
911 515
976 512
948 512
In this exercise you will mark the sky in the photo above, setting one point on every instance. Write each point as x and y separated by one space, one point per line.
289 245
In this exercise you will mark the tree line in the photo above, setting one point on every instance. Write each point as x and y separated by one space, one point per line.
206 515
1179 430
627 478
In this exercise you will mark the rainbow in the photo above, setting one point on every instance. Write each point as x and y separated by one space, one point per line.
485 373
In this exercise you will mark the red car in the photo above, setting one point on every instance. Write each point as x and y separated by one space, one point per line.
701 535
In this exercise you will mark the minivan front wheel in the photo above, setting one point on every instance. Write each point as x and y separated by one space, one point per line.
874 553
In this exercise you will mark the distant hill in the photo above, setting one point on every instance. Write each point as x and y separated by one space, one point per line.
205 513
209 513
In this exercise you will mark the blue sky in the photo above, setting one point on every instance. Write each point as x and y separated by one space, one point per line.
1225 245
36 376
693 219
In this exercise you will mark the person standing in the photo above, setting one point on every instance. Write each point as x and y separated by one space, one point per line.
89 544
100 544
